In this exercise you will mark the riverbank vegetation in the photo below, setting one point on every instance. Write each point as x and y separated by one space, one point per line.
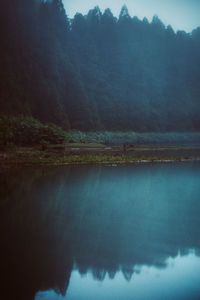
27 131
19 156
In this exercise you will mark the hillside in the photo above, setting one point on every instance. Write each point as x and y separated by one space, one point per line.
97 72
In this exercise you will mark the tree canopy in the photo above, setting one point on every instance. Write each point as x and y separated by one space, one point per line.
97 72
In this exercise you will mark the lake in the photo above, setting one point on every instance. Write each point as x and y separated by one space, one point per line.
100 232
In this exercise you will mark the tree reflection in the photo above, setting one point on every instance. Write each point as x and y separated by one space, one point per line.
98 219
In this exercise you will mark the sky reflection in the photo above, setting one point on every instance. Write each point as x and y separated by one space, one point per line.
179 280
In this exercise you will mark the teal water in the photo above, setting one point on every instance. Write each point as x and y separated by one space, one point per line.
91 233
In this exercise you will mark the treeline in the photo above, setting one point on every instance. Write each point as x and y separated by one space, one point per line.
27 131
97 72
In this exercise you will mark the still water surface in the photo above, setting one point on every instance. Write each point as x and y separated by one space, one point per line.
95 233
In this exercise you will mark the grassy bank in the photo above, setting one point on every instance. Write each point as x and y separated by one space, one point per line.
35 156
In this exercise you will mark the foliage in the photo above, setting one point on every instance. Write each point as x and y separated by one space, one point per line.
97 72
28 131
135 138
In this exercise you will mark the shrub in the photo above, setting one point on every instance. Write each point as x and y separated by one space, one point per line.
27 131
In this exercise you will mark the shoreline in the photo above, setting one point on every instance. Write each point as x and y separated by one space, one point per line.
26 156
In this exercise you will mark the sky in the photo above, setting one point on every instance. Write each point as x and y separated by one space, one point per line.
181 14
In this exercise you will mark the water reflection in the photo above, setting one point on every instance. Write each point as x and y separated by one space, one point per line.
180 280
99 220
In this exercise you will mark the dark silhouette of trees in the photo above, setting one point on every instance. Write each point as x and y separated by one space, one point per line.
97 72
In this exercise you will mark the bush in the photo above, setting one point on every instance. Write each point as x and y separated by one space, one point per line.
6 134
27 131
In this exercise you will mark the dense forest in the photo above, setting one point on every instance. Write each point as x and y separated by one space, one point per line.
97 72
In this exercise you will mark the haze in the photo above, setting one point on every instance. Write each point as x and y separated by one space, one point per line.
181 14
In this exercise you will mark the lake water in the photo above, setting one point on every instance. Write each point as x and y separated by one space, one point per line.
95 233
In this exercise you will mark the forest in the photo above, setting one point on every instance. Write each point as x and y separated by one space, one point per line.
97 72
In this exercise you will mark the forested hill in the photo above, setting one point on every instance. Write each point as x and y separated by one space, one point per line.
97 72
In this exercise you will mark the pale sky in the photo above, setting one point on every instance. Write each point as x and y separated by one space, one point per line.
181 14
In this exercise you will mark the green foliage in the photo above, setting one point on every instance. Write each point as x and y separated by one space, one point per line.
6 133
135 138
28 131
